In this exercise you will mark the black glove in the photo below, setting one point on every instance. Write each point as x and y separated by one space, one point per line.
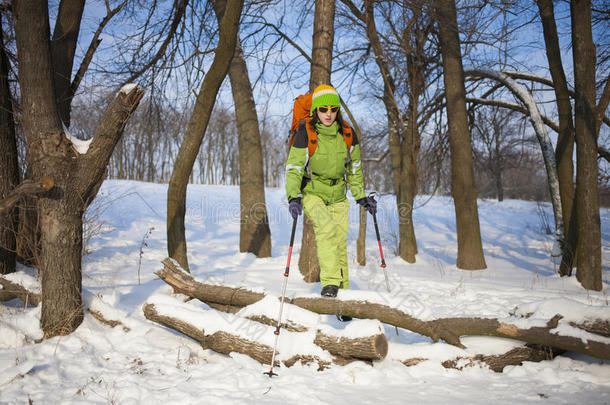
295 207
369 203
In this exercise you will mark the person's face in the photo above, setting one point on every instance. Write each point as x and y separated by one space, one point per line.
326 114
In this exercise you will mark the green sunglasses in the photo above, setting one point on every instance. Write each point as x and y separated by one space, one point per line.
325 109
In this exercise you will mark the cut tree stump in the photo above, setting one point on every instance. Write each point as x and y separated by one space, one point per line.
447 329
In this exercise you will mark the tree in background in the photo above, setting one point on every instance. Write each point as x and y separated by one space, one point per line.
195 131
588 253
497 136
565 141
254 232
9 165
470 249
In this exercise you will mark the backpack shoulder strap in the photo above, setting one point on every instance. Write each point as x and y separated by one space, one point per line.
312 137
347 136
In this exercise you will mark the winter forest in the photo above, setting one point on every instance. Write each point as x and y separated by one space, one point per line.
147 251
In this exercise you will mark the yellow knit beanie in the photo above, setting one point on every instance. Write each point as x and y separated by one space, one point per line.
324 95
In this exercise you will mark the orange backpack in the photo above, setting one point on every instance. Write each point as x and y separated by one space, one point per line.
300 114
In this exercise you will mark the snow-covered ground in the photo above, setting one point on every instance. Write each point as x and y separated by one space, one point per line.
151 364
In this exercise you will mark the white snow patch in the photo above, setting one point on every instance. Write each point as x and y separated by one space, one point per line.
25 280
11 373
128 88
153 364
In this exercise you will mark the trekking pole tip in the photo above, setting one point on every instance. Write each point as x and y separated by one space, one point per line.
270 373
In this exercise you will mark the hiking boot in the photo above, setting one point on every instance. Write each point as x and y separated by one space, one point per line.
330 291
344 318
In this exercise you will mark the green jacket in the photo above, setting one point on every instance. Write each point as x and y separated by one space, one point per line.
324 173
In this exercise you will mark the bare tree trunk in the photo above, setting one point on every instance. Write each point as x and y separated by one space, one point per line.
9 166
321 66
63 47
588 253
322 43
77 177
254 232
410 146
195 131
565 141
470 249
403 139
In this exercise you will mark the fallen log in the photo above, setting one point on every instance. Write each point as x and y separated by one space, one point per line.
11 290
374 347
225 343
185 283
365 348
447 329
368 348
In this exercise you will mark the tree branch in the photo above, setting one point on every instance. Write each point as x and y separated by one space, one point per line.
26 188
180 9
514 107
546 81
108 132
95 42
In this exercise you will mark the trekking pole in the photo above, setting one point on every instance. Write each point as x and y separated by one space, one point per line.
270 373
383 265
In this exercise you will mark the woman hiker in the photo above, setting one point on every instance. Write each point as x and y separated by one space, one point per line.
318 184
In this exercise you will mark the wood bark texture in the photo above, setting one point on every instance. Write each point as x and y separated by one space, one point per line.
403 137
63 48
514 357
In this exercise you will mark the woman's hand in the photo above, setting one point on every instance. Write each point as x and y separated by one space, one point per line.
369 203
295 207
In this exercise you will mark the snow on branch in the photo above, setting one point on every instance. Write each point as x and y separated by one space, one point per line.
548 152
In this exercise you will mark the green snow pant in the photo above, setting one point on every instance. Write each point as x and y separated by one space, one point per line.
330 223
